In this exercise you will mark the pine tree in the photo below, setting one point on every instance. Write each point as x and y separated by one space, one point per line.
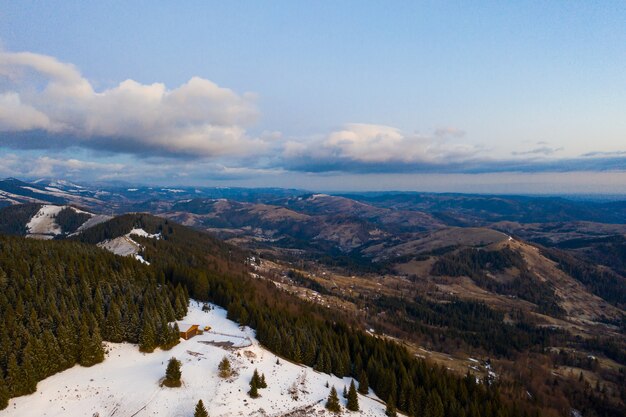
91 350
113 326
256 378
172 374
363 383
332 404
353 398
171 336
14 377
200 410
224 368
434 405
345 392
262 382
4 394
254 385
147 338
390 410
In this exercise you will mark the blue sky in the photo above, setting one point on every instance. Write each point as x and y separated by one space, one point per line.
481 96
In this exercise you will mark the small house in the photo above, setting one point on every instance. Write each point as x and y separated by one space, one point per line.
187 331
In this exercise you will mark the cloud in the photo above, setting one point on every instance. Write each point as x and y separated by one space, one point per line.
201 130
368 147
44 166
604 154
453 132
542 150
51 104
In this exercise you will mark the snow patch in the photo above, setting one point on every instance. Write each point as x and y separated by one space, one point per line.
317 196
43 224
94 220
123 246
140 259
57 193
143 233
126 246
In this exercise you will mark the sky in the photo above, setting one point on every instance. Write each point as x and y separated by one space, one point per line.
503 97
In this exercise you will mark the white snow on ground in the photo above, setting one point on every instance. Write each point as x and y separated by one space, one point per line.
126 246
317 196
17 199
48 191
127 382
94 220
42 225
143 233
123 246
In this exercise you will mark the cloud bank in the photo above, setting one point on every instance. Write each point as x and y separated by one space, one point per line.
50 103
201 130
359 147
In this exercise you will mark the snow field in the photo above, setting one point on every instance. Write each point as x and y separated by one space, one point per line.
43 224
126 246
127 382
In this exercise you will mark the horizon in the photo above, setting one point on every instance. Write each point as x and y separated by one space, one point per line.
484 98
589 197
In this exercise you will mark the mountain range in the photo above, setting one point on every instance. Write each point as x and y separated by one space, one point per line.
450 276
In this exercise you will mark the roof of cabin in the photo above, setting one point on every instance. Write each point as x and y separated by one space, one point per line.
185 327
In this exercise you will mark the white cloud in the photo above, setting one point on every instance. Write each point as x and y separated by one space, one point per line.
199 118
19 116
45 166
375 144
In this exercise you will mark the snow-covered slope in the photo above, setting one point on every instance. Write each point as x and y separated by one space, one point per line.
126 246
127 382
94 220
14 191
42 225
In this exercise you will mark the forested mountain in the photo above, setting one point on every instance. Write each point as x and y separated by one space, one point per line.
312 272
59 300
72 295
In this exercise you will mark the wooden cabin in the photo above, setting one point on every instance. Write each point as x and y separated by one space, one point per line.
187 331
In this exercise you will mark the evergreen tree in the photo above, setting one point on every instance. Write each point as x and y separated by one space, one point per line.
147 338
171 336
434 405
91 350
4 394
363 383
332 404
254 385
14 377
345 392
262 382
390 410
224 368
113 326
256 378
353 398
200 410
173 373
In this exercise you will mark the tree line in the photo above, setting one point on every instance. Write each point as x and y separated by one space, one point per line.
59 300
